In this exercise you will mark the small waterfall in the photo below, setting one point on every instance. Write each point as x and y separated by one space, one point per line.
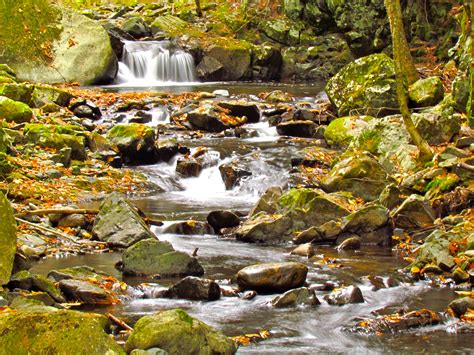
154 62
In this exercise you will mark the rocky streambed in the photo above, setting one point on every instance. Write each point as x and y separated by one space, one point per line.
260 214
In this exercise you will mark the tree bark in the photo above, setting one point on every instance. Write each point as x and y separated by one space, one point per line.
399 40
405 72
198 7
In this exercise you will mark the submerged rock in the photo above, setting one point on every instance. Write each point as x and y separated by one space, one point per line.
119 224
7 239
178 333
194 288
302 296
190 227
59 332
223 219
461 305
189 167
305 129
352 243
153 257
232 174
272 277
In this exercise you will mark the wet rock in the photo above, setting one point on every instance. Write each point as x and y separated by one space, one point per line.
277 96
189 167
365 86
351 294
234 59
210 69
231 174
119 224
178 333
460 276
7 239
306 250
209 118
415 212
85 292
62 331
241 109
136 27
297 297
28 281
85 109
329 231
307 236
268 201
166 149
194 288
272 277
263 228
426 92
190 227
352 243
461 305
153 257
305 129
361 175
341 131
223 219
39 301
136 143
395 323
152 351
370 224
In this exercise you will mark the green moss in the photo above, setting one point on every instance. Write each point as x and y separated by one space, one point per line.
35 22
370 141
184 316
443 183
7 241
14 111
297 198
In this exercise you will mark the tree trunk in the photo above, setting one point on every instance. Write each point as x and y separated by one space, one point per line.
198 8
399 40
405 72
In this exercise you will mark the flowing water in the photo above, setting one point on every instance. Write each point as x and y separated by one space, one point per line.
154 63
300 330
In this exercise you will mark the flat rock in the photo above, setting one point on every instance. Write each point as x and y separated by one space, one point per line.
272 277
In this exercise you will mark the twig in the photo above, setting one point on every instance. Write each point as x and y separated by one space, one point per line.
119 322
466 166
42 212
49 230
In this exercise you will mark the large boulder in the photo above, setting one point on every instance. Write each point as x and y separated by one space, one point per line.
7 239
178 333
365 86
56 332
14 111
119 224
154 257
232 57
272 277
136 143
265 228
361 175
58 45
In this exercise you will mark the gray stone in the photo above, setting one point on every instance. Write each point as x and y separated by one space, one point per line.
297 297
351 294
194 288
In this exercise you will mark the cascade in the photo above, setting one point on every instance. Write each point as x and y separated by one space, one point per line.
154 62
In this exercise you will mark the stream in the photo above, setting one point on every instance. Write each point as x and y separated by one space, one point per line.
300 330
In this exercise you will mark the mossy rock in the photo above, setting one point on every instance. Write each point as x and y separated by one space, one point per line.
426 92
365 86
178 333
27 281
17 92
154 257
7 240
56 332
5 140
14 111
341 131
360 175
58 137
388 140
43 94
135 141
7 75
42 42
